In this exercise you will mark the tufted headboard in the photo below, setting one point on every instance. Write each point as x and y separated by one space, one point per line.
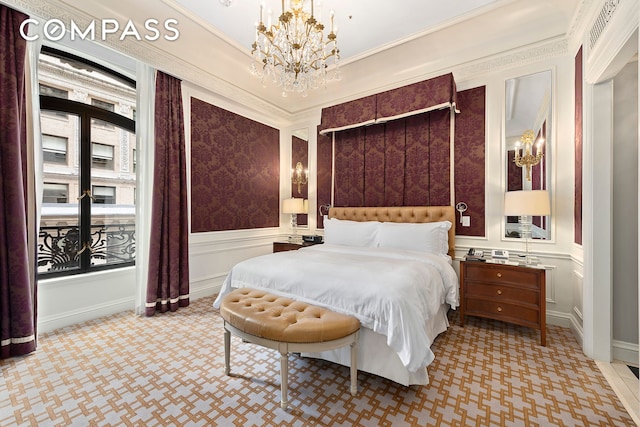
402 214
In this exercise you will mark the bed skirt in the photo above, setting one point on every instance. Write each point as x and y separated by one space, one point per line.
376 357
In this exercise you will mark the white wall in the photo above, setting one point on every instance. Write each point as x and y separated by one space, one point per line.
625 209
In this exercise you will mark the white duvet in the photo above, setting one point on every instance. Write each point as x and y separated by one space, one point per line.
390 291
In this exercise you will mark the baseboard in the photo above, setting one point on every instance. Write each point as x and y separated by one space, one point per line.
50 323
625 352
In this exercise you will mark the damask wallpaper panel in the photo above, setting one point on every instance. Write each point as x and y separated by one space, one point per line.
374 166
416 170
440 165
577 207
324 173
349 171
235 171
469 169
394 163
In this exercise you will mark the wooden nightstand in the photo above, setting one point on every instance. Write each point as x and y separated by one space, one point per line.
514 294
290 246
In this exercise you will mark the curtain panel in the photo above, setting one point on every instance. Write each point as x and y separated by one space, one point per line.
410 100
168 279
577 206
17 292
401 163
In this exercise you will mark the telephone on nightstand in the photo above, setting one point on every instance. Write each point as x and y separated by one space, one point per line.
474 255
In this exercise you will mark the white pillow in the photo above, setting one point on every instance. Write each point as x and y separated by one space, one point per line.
351 233
431 237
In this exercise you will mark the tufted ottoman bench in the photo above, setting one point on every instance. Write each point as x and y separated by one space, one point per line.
286 325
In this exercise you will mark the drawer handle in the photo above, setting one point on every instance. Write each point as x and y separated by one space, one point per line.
499 291
499 309
499 274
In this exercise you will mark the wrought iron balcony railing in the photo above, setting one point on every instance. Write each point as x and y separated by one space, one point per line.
60 249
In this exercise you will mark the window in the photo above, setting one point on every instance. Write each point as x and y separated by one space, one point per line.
84 227
55 193
53 91
101 156
54 149
102 104
104 195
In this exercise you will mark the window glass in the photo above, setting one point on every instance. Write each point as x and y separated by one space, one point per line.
54 149
88 211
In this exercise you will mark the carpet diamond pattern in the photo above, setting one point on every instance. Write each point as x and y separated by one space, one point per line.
168 370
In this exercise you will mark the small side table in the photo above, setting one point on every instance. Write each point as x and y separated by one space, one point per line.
510 293
291 246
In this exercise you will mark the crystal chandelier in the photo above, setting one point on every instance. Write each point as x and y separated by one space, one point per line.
527 159
293 53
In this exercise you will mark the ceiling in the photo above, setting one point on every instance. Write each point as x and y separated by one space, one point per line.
364 26
383 44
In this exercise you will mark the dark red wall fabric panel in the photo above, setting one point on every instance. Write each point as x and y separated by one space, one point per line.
235 171
349 173
440 154
324 173
417 184
300 153
577 208
417 96
469 166
358 111
374 165
394 163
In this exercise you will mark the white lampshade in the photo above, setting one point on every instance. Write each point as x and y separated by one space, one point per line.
293 206
526 202
305 206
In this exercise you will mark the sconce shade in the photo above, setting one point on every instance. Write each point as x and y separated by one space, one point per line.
305 206
527 202
293 206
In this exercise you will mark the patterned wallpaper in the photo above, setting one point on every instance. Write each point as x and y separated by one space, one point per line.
404 162
235 171
470 159
577 209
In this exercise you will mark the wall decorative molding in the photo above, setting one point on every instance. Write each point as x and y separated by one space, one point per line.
149 54
513 59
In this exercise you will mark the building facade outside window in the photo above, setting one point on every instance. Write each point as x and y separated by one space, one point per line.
88 141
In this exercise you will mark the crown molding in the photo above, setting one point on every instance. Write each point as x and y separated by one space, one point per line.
150 54
531 54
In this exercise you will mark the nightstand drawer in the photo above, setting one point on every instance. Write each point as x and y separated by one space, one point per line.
502 311
503 292
524 277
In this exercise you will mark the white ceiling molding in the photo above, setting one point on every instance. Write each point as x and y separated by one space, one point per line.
150 54
515 58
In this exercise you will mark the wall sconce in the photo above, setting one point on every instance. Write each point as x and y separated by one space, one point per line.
299 176
527 159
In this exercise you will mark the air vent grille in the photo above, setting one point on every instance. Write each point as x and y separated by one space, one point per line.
604 17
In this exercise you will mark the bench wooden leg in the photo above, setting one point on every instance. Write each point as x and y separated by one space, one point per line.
354 367
284 379
227 351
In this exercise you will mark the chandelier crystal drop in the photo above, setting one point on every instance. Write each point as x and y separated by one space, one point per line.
293 53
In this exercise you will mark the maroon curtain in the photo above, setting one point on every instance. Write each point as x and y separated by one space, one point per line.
17 295
168 281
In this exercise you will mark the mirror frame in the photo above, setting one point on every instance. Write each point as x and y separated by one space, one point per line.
549 149
296 136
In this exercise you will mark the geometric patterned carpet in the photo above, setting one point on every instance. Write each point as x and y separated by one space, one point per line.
168 370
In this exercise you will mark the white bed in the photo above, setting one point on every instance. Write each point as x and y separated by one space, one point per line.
396 279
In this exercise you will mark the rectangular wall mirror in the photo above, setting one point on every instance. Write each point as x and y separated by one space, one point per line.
300 169
528 142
